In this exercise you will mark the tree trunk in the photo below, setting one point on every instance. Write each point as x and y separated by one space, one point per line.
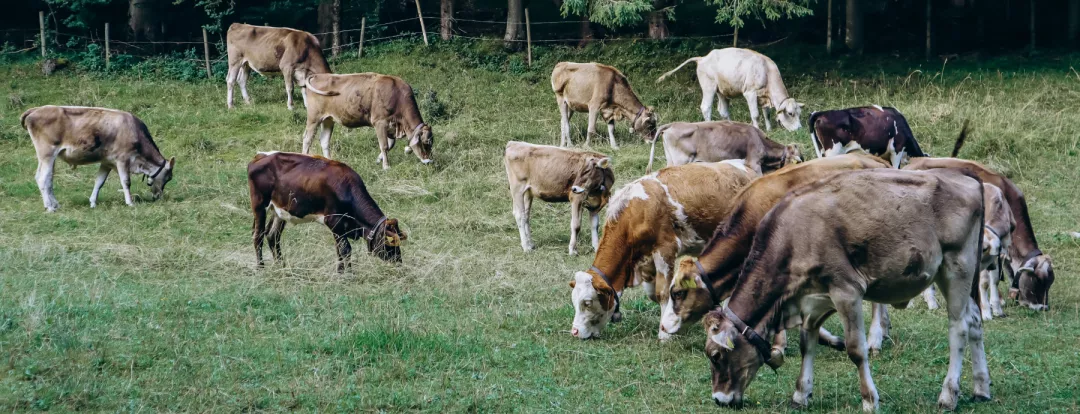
514 14
658 28
585 32
446 25
735 38
1074 22
854 36
828 28
145 19
335 23
325 21
929 31
1031 46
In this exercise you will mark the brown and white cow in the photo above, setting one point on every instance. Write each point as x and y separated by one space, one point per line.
882 131
554 174
296 54
822 250
297 188
367 99
686 142
732 72
649 223
600 90
81 135
1032 271
700 285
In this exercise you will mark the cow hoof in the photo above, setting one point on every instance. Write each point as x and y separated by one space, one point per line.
981 398
875 352
573 252
947 400
799 402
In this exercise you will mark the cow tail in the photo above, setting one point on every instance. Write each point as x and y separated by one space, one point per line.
664 76
310 87
960 139
22 119
902 127
652 150
978 251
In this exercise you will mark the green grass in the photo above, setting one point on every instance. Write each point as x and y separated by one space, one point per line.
159 307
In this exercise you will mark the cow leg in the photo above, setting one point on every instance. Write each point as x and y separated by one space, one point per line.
995 295
594 224
879 327
242 77
849 308
708 93
277 226
752 103
768 124
723 107
288 72
804 386
258 229
663 257
125 182
526 214
575 223
828 339
383 133
594 111
309 133
344 252
984 300
44 178
230 81
564 122
102 175
965 326
324 136
611 133
930 298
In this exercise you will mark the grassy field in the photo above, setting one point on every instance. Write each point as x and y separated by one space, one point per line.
160 308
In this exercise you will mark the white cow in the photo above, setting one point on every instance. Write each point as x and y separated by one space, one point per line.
734 72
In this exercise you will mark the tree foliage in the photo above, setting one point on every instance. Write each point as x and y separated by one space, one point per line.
610 13
81 11
732 12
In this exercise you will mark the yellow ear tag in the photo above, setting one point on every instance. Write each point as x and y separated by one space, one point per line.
687 283
392 241
730 344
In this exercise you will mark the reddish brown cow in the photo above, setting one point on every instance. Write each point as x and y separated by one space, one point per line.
294 53
880 131
301 188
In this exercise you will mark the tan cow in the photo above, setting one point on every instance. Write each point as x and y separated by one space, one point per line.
686 142
733 72
296 54
554 174
367 99
600 90
649 223
998 224
81 135
822 250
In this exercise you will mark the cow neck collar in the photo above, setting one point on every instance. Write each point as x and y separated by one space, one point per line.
639 112
707 280
417 127
992 231
608 281
159 170
760 344
371 237
1033 254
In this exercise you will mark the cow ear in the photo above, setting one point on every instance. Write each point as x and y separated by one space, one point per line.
172 162
725 338
800 104
604 162
573 284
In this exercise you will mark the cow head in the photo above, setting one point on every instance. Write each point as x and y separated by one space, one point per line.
734 362
645 124
688 297
420 142
594 305
158 180
789 114
1036 275
593 182
388 246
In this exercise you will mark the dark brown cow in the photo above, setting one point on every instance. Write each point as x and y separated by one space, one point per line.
367 99
294 53
880 131
1035 269
301 189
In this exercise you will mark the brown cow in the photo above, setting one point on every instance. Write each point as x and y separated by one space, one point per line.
998 225
822 250
301 188
554 174
1032 270
294 53
686 142
699 285
600 90
367 99
80 135
649 223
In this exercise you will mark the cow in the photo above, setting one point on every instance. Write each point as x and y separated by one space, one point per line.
649 223
732 72
367 99
294 53
298 188
701 284
82 135
822 250
600 90
1031 270
554 174
998 225
686 142
882 131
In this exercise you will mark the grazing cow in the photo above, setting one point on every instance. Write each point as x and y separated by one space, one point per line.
1031 270
294 53
700 285
600 90
301 189
822 250
686 142
880 131
367 99
732 72
554 174
998 224
81 135
649 223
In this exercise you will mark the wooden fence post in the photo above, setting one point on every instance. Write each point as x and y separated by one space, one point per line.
41 23
106 45
421 16
363 24
528 38
206 53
